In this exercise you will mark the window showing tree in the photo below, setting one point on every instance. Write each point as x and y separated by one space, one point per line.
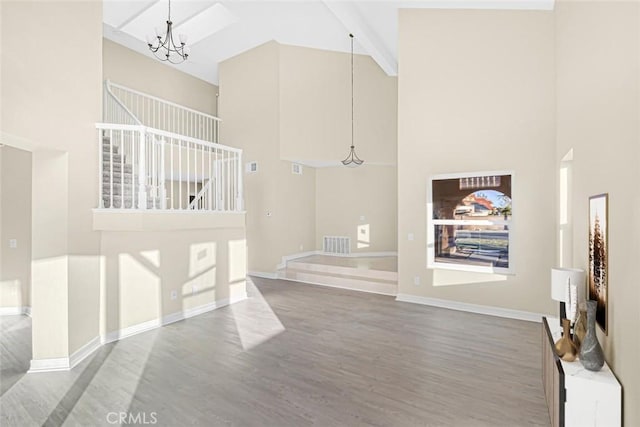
469 226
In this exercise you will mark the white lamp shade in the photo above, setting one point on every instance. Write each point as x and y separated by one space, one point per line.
561 277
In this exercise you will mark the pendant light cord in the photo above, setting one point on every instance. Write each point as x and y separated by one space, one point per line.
352 137
169 17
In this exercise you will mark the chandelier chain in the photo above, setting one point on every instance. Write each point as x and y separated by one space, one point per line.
352 160
352 133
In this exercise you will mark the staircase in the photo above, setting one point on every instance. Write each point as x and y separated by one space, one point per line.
358 274
122 193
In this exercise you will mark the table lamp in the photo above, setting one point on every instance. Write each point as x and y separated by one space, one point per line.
567 286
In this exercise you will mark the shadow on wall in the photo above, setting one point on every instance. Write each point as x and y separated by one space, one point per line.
11 295
165 276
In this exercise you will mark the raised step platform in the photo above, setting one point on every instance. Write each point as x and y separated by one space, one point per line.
366 274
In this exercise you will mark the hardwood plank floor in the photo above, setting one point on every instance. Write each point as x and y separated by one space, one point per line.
15 349
301 355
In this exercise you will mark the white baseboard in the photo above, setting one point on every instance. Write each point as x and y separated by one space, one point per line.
263 275
130 331
196 311
15 311
472 308
84 352
168 319
67 363
49 365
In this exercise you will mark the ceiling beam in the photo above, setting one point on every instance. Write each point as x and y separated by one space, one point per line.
346 13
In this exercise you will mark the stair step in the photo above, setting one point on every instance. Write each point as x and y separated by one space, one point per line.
107 149
106 167
117 191
119 179
106 172
117 158
128 202
366 273
340 281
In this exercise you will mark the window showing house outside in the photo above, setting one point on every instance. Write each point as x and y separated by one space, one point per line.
469 225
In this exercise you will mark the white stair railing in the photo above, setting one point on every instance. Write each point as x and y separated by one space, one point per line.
160 114
156 154
146 168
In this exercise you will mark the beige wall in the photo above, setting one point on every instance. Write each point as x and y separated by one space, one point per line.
360 203
50 102
15 223
476 93
278 104
126 67
202 266
315 107
598 92
280 206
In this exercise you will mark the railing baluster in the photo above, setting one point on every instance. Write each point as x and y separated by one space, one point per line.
122 206
218 175
111 169
235 182
133 170
163 185
209 204
202 170
180 173
100 168
240 183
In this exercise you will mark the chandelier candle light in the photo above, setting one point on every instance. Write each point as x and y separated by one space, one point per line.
167 50
352 159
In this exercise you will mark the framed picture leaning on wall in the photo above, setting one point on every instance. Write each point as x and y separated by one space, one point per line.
599 256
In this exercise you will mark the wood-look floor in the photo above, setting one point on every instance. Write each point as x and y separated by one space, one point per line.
300 355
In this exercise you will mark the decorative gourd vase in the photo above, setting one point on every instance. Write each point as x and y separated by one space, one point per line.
580 327
591 354
565 348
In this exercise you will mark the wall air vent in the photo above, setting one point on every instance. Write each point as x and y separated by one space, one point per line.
251 167
336 245
296 168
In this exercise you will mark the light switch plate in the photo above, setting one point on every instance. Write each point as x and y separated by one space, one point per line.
13 243
410 236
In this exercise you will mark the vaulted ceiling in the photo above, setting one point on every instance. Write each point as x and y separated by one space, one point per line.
218 30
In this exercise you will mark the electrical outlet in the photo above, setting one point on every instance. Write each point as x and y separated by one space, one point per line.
13 243
416 280
410 237
301 248
362 218
194 289
174 294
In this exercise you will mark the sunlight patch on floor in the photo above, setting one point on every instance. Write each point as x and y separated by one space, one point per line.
255 320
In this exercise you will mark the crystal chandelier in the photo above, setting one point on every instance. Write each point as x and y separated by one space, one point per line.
167 50
352 159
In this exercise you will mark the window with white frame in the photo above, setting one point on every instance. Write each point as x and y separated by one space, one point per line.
469 222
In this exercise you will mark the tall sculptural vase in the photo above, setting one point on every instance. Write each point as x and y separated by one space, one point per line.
580 327
591 354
